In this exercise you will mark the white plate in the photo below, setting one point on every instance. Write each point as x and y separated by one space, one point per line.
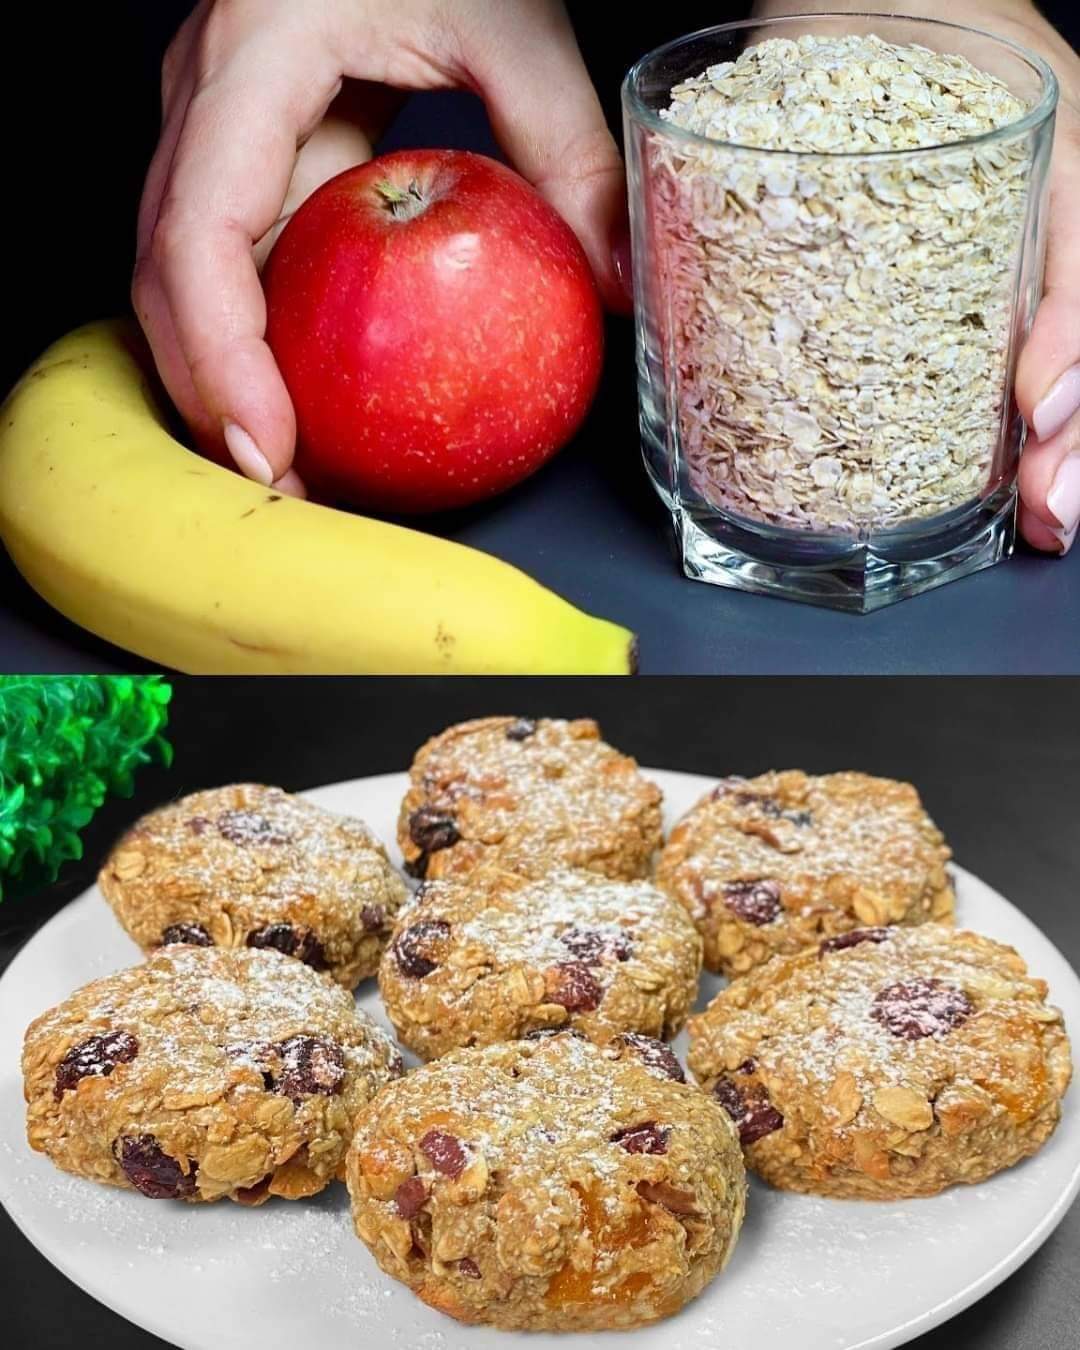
820 1274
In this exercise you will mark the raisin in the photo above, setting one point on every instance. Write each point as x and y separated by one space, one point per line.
299 942
593 946
95 1057
756 902
852 939
645 1138
922 1007
572 985
749 1108
445 1152
673 1198
411 947
469 1268
309 1065
657 1056
431 829
249 828
409 1198
521 729
190 934
416 867
372 917
747 1066
150 1170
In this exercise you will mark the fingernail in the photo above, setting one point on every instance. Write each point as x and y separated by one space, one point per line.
1057 405
247 456
291 484
1063 499
623 260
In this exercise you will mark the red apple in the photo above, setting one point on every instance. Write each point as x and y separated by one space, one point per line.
438 328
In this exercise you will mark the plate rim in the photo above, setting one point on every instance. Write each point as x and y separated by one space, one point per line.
899 1335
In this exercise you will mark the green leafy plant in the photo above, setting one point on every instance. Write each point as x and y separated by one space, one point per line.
67 742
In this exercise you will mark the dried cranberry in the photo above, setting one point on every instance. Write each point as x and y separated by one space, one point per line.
250 828
852 939
96 1057
571 984
521 729
921 1008
150 1170
412 947
198 824
299 942
657 1056
189 934
593 945
445 1152
726 786
372 917
756 902
749 1108
431 829
309 1065
469 1268
645 1138
409 1198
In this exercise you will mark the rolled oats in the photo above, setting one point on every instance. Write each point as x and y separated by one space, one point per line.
840 324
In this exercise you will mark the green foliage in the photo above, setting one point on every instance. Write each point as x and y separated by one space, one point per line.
66 742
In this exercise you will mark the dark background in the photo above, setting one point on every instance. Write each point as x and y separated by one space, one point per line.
997 762
77 141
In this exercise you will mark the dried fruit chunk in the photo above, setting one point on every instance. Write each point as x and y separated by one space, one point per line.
647 1137
749 1108
920 1008
521 729
469 1268
445 1152
852 939
432 829
756 902
310 1065
189 934
593 946
412 947
250 829
573 986
300 943
96 1057
373 918
410 1197
150 1169
657 1056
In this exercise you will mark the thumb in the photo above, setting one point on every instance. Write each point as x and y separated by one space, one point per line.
546 116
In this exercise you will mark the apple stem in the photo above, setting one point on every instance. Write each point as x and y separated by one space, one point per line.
402 203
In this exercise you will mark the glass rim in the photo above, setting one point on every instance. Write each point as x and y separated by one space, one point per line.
1035 116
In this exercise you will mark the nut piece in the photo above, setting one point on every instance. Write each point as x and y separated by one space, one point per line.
904 1107
843 1099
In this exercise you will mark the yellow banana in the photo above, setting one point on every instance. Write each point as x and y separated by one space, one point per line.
141 541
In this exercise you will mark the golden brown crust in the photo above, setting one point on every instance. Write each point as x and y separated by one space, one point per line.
253 865
547 1185
244 1068
908 1061
527 796
494 956
771 864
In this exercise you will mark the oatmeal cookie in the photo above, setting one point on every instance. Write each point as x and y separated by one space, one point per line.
527 796
772 864
492 956
204 1073
886 1062
548 1184
253 866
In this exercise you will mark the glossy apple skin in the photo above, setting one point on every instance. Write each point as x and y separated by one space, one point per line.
437 350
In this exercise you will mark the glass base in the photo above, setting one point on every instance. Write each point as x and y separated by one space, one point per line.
859 577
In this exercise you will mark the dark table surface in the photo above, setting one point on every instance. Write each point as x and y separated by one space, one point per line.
997 762
588 525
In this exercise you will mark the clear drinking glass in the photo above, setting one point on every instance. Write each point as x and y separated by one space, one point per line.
826 342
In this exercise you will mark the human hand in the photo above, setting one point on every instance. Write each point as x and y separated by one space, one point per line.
263 100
